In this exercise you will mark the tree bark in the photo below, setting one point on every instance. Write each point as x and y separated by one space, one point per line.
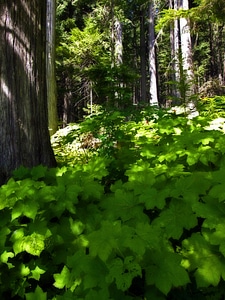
186 50
176 54
143 79
24 136
152 57
50 63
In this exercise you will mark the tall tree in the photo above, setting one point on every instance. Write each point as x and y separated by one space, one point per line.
175 52
24 136
152 56
143 79
186 50
51 74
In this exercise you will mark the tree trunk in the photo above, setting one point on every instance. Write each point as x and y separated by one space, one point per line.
143 79
175 56
186 50
152 57
118 42
50 63
24 136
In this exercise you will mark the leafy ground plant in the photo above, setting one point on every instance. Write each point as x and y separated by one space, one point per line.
145 222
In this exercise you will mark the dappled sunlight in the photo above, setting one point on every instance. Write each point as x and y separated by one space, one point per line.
24 129
17 39
5 89
204 260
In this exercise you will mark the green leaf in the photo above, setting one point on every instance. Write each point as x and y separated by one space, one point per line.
218 192
36 273
216 236
164 270
178 216
85 268
38 172
124 205
26 208
141 173
152 198
192 186
103 241
4 258
21 173
210 210
192 157
91 189
123 272
101 294
37 295
33 244
62 279
208 264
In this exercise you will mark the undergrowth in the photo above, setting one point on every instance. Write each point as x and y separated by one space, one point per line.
139 216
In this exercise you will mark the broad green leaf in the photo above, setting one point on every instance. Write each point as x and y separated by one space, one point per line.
38 172
33 244
123 272
21 173
216 236
131 240
192 157
62 279
85 268
150 234
24 270
124 205
141 173
164 270
140 238
97 167
218 192
77 227
46 194
37 295
36 273
192 186
152 198
91 189
105 240
4 258
17 234
178 216
27 208
101 294
211 211
8 194
207 264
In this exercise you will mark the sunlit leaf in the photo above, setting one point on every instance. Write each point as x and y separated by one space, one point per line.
208 266
62 279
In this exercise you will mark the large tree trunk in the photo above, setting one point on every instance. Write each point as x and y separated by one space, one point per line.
51 76
175 51
143 79
24 137
186 47
152 57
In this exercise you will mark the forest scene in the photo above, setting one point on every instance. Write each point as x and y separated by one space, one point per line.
112 151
